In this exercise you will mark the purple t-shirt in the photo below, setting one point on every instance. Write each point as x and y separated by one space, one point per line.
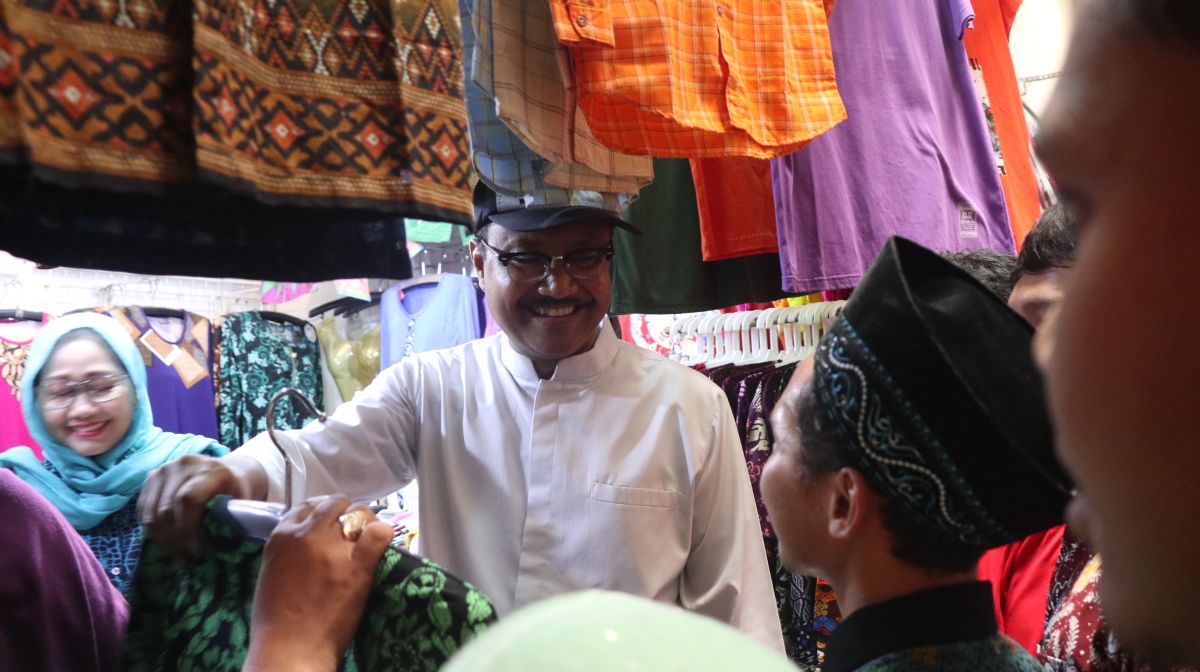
178 357
913 157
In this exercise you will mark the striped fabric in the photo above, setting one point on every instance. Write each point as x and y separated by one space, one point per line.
525 72
698 78
502 161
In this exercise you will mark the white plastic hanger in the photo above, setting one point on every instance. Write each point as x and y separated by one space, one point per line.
753 338
703 330
766 346
735 340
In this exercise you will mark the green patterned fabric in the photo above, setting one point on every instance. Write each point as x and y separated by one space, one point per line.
197 619
257 358
991 654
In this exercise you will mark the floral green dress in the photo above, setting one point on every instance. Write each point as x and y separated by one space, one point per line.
259 357
197 618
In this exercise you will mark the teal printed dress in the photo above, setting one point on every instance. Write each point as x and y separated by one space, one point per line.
197 619
948 629
259 357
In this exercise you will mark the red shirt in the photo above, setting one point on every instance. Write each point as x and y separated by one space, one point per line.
1020 574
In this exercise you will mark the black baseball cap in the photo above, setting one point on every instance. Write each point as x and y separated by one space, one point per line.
512 215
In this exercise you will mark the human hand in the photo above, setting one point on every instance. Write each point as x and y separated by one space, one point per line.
312 587
173 498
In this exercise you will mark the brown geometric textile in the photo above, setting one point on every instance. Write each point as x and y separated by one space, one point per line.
98 88
346 101
331 103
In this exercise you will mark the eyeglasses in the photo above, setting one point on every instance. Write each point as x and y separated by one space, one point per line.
531 267
60 394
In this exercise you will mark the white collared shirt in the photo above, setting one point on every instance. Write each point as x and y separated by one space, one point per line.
623 471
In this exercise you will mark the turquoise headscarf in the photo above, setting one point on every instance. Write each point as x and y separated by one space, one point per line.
93 488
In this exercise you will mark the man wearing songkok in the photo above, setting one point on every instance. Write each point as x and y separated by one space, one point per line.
914 440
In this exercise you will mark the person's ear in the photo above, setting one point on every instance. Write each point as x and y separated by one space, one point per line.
850 499
476 252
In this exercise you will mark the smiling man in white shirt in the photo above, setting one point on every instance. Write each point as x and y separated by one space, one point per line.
552 457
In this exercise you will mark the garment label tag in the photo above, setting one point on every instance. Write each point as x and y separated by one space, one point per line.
968 221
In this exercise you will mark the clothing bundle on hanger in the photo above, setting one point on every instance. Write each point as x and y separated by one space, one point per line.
661 269
430 312
751 355
996 81
913 157
177 349
350 345
694 79
417 614
527 131
258 356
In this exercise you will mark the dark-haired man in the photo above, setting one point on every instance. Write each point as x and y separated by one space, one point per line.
994 269
915 439
1121 137
1023 573
552 457
1040 275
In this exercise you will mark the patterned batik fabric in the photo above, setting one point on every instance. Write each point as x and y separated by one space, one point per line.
97 88
1072 560
992 654
947 628
258 358
1078 638
330 103
117 540
198 618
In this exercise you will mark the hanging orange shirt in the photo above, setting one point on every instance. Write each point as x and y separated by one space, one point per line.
987 49
737 207
698 78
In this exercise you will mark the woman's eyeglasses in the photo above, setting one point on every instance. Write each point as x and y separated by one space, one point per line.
60 394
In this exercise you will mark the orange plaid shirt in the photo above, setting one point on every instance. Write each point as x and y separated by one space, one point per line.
702 78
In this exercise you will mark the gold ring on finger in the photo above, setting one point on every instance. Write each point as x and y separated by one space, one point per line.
353 524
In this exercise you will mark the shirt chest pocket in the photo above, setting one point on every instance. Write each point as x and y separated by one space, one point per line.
607 493
636 541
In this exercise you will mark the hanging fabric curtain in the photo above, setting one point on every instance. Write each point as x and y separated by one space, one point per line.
219 138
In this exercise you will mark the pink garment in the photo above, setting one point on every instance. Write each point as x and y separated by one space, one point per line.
13 431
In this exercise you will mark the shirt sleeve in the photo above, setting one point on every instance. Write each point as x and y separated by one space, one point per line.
1023 586
583 22
365 450
726 576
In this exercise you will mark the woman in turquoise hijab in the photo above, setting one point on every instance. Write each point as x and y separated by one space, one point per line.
84 398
